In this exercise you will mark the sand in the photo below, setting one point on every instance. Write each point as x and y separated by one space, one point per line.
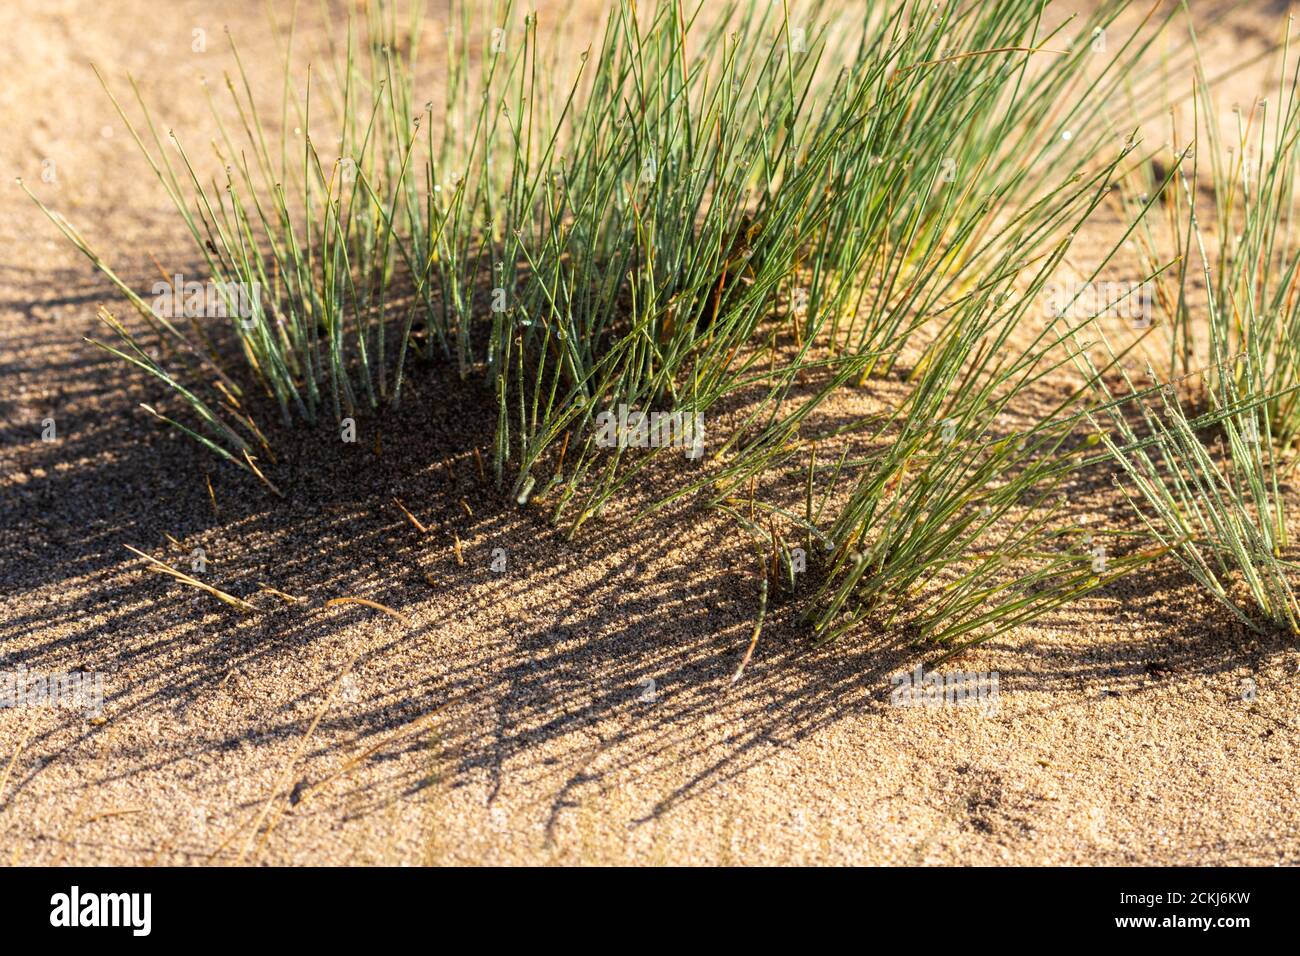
512 719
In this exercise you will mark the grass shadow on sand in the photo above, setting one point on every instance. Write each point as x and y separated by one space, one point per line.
541 670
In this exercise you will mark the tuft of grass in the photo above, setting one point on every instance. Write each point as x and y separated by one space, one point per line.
307 230
1207 483
1217 511
952 495
731 183
744 212
1241 241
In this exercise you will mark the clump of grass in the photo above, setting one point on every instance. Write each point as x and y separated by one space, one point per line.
634 226
311 226
750 207
953 497
1218 513
1207 483
874 195
944 494
1243 245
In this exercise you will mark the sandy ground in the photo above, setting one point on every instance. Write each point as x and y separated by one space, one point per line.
513 721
